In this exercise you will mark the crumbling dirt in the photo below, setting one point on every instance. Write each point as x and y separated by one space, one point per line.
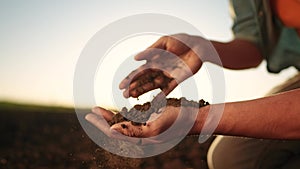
139 114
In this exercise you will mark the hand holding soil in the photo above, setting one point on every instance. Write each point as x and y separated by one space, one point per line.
148 120
169 62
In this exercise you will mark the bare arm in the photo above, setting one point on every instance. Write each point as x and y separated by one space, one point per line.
275 117
237 54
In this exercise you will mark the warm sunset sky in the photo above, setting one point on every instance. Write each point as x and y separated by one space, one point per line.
40 42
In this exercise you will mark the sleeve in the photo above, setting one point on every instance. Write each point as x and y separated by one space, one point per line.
245 22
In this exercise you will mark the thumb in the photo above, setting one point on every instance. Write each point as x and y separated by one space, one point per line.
170 87
152 50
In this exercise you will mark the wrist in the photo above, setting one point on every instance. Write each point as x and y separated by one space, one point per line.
205 50
210 120
226 121
200 120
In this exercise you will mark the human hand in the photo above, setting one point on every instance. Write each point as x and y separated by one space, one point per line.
169 61
169 123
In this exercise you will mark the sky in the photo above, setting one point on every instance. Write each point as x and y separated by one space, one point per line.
40 42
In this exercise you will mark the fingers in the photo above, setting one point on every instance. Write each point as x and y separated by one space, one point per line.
126 128
122 131
99 122
170 87
142 70
136 140
137 134
152 50
106 114
149 54
141 135
137 88
150 81
102 125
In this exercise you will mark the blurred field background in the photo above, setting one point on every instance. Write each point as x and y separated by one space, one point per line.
51 137
39 46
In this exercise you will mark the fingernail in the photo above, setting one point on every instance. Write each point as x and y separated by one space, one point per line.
88 117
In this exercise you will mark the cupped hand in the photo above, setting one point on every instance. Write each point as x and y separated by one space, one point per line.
176 121
169 61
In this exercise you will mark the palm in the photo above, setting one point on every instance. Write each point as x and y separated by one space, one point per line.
169 62
184 118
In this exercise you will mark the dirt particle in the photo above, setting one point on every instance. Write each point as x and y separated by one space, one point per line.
123 126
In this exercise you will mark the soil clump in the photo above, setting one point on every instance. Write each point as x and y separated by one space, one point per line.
139 114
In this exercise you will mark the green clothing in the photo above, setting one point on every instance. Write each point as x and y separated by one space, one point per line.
253 21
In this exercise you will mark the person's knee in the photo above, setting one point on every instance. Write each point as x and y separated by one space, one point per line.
230 152
217 154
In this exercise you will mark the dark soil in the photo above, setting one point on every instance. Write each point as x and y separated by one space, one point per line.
139 114
46 138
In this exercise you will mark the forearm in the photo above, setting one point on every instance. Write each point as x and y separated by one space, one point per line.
237 54
275 117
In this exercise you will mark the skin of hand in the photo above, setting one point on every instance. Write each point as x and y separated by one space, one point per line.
273 117
183 116
230 55
174 55
180 56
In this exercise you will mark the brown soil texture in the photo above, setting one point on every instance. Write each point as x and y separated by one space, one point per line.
45 137
150 79
139 114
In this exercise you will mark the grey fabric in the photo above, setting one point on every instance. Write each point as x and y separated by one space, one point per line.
253 21
249 153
